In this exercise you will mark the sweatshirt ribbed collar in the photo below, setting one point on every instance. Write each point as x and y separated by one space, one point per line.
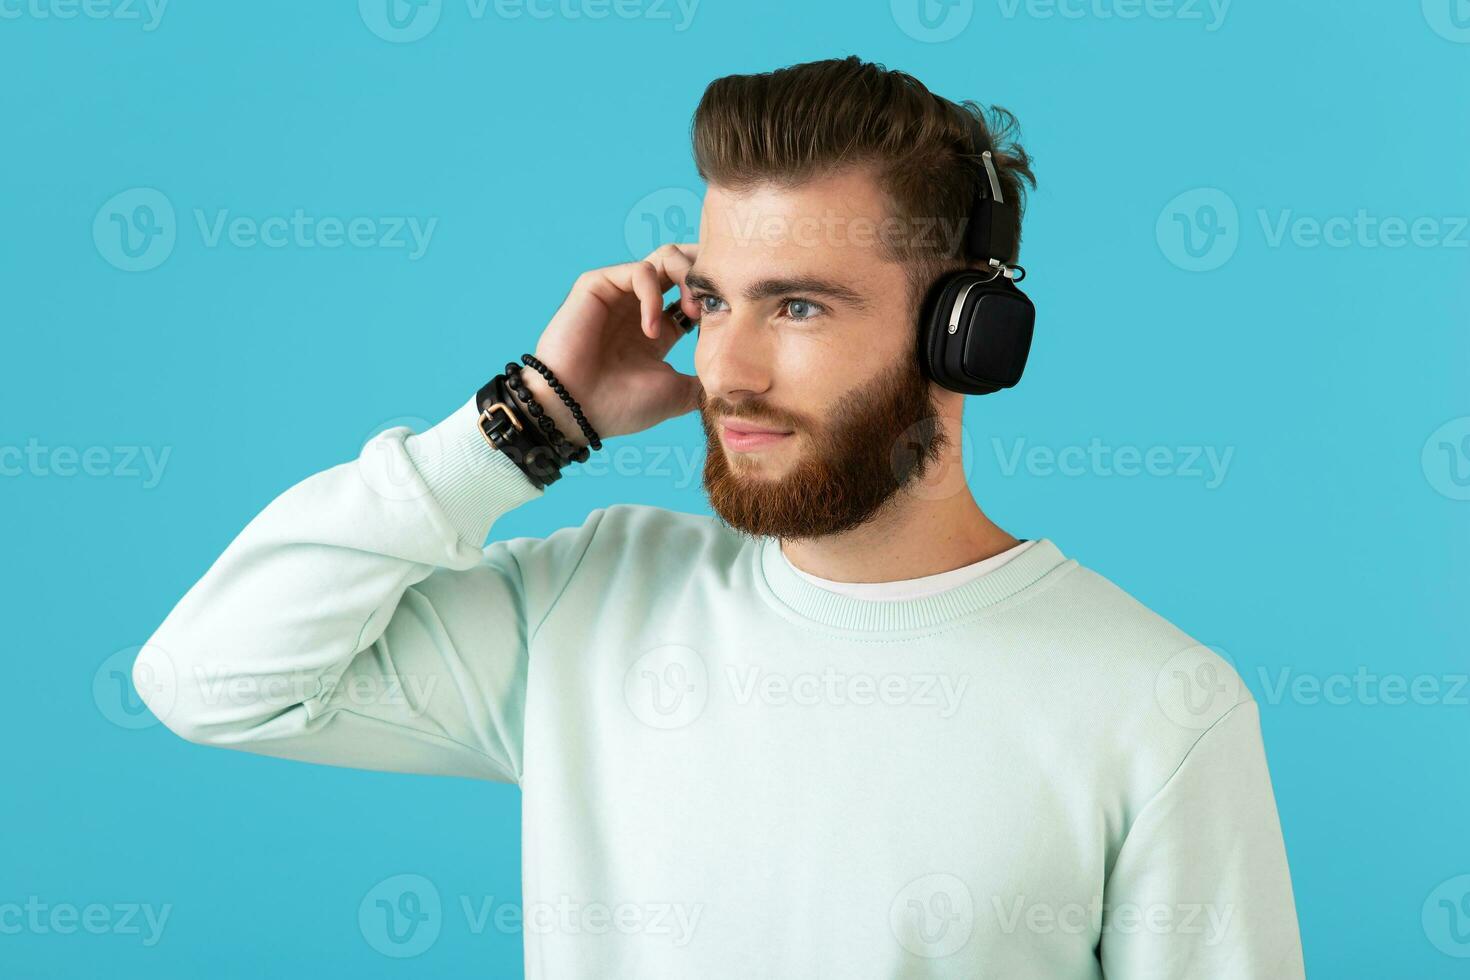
812 602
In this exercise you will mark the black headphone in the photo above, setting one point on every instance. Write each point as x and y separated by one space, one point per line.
975 325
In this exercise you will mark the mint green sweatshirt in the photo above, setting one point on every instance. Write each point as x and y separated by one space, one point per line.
729 771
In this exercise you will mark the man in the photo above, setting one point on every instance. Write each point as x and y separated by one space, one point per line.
849 728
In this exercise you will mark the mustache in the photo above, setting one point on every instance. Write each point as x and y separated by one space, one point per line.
714 410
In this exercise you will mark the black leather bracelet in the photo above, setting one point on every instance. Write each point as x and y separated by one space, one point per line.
593 440
504 428
554 437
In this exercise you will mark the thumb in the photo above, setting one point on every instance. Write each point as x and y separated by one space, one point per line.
695 392
682 393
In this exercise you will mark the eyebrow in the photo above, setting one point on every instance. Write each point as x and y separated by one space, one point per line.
770 288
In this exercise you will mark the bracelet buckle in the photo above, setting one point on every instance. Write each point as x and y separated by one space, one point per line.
488 422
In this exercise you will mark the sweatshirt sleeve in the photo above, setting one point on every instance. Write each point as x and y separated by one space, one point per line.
358 621
1201 887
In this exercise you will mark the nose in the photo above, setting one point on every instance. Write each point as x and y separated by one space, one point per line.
734 358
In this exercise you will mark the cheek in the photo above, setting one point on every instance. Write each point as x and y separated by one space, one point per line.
810 382
841 360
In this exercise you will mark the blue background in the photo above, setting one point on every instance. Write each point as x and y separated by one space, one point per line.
1335 544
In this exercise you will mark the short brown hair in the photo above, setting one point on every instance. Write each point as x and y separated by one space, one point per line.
808 120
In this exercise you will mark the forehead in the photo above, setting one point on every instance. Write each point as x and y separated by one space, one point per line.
839 222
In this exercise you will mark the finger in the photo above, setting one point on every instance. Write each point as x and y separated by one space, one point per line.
691 307
615 283
673 262
649 287
680 254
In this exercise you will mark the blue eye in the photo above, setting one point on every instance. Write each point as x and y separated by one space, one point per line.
803 309
708 303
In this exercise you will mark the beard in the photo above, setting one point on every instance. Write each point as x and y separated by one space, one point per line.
877 439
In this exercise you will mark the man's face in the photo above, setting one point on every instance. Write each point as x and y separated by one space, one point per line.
807 331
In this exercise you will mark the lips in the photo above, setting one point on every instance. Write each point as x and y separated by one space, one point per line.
744 437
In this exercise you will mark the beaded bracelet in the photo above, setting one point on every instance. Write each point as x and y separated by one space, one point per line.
593 440
553 436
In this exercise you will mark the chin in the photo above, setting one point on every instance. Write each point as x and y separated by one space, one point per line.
768 463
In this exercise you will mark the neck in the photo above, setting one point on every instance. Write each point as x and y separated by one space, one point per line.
932 525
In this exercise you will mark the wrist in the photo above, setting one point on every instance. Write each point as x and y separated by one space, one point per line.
552 404
472 484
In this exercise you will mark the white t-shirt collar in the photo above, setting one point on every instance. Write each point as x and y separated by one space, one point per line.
913 588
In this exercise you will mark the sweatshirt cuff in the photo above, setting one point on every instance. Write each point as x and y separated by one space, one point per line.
472 482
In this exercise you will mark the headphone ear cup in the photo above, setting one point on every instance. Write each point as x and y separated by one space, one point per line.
991 337
933 322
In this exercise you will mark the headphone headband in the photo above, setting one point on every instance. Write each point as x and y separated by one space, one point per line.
995 192
994 223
